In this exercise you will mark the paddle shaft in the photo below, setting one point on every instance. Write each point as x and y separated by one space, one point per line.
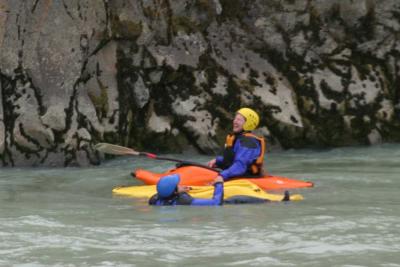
182 162
120 150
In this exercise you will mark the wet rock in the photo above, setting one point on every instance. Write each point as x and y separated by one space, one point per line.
199 122
185 50
170 75
42 57
374 137
220 87
98 99
2 128
141 93
159 124
55 118
363 91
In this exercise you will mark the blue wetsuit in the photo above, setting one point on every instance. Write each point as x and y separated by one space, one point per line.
246 150
185 199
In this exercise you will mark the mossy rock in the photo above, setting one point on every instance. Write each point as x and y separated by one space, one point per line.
100 101
183 24
124 29
233 9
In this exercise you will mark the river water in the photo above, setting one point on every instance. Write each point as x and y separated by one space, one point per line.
68 217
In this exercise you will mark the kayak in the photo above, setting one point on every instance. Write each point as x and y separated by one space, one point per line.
242 189
195 175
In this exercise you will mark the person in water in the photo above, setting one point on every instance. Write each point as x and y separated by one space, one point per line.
169 193
244 151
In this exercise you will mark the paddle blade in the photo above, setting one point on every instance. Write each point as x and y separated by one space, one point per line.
114 149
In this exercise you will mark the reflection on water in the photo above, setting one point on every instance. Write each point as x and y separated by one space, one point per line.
68 217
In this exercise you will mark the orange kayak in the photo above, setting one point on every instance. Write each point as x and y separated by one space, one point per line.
193 175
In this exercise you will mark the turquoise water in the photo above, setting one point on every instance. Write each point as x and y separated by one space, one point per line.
68 217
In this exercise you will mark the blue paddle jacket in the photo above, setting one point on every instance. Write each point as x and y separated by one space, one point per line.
246 150
185 199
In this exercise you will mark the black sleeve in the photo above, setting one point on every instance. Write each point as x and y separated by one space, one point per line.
153 200
184 199
244 200
249 142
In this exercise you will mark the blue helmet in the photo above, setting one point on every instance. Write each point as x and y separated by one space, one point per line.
167 185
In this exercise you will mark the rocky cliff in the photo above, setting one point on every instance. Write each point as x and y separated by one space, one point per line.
168 75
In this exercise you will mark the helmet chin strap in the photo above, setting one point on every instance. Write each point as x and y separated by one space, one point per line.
239 133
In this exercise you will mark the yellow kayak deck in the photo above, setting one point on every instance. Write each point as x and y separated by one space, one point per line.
231 189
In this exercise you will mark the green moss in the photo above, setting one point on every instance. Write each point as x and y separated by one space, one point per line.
396 15
206 6
233 9
183 24
211 68
331 93
360 129
306 104
366 27
163 142
100 102
179 83
253 76
334 66
390 131
331 129
149 12
301 81
334 13
315 23
124 29
129 126
245 85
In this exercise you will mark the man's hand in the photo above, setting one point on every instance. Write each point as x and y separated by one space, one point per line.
183 188
211 163
218 179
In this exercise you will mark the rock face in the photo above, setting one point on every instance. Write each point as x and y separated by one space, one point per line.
168 75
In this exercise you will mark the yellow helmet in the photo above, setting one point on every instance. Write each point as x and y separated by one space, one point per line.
252 118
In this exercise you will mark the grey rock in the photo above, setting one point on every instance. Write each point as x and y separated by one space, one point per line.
242 62
141 93
29 130
98 99
375 137
155 76
55 118
185 50
2 127
221 86
159 124
172 74
200 122
386 112
363 91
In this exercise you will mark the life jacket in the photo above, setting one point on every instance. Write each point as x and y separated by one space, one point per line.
256 168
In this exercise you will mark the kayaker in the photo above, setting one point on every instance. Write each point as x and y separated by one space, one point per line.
169 193
243 154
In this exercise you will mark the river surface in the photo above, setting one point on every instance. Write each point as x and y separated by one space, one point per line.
68 216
